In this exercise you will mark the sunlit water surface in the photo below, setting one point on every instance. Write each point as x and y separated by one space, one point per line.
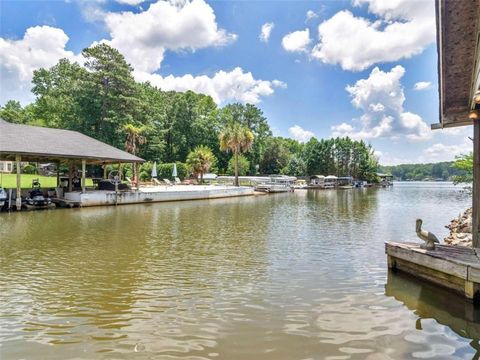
287 276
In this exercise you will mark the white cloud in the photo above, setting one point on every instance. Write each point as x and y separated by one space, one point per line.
442 152
41 46
311 15
297 41
300 134
130 2
422 85
144 37
385 158
235 85
403 29
92 10
266 31
377 153
381 98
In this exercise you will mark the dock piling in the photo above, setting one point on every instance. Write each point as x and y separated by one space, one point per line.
18 200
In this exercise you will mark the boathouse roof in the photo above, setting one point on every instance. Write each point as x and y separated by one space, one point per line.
458 47
34 143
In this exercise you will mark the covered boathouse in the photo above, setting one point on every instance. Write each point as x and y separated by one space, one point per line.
458 47
21 143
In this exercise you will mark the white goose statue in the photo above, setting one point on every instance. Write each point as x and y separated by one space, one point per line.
429 238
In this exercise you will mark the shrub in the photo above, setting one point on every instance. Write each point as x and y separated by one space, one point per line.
145 171
29 169
164 171
127 170
243 166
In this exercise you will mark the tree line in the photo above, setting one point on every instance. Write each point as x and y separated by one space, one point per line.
448 170
102 99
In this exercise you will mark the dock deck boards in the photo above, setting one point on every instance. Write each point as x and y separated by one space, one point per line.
453 267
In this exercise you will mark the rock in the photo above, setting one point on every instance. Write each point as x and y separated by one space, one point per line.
460 230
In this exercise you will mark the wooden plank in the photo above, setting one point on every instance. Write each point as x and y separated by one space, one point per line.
443 265
474 274
460 254
437 277
476 185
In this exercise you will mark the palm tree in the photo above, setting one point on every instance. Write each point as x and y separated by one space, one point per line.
134 139
237 139
200 160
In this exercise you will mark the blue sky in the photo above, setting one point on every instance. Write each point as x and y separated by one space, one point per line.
362 68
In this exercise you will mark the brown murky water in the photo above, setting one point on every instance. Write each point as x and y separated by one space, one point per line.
288 276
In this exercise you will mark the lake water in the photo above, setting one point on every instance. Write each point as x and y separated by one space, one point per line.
287 276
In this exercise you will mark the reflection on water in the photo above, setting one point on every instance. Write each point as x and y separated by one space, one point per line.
430 302
287 276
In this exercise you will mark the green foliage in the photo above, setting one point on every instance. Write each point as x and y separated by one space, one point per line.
164 171
464 164
145 171
252 118
418 172
243 165
295 167
29 169
275 156
340 157
200 160
236 138
13 112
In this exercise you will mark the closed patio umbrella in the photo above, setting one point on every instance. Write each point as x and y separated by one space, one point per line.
154 170
174 172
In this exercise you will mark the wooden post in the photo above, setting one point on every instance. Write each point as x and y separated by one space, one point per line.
18 202
476 185
84 170
70 171
135 174
58 174
104 170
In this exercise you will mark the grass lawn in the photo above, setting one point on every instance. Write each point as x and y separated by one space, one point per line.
10 181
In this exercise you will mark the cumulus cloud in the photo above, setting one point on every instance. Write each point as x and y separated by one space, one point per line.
422 85
442 152
381 98
403 29
41 46
144 37
235 85
266 31
300 134
297 41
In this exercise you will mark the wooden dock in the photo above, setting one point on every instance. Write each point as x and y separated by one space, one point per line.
453 267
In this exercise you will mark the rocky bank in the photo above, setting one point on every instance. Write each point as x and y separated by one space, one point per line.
460 230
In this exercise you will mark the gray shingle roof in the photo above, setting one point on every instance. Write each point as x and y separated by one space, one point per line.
458 31
41 142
